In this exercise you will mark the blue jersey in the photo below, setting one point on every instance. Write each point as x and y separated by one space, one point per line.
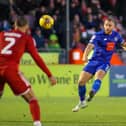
104 45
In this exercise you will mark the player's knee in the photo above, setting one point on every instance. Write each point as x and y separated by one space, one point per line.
33 99
81 82
29 99
29 96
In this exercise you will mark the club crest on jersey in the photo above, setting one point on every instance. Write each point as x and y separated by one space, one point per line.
115 39
110 46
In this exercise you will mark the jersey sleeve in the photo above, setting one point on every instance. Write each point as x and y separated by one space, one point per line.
93 40
120 39
35 55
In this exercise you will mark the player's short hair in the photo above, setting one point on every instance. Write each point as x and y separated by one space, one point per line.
110 18
21 21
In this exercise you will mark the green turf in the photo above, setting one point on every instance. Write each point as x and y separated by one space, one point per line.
102 111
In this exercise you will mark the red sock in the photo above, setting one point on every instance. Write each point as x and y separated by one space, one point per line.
35 110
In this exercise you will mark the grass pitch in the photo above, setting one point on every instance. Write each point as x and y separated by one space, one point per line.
102 111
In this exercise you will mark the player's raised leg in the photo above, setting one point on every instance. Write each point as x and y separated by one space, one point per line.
99 75
34 107
84 77
21 87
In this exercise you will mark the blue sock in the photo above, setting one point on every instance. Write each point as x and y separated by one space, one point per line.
82 91
96 85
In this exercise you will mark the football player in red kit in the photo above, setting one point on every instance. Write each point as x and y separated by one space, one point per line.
13 44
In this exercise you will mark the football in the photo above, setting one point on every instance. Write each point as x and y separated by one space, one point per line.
46 22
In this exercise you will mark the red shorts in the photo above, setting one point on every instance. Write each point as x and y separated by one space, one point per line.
15 79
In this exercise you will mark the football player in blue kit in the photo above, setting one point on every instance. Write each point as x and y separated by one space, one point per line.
103 43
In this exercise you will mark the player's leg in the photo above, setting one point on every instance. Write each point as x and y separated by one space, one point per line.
99 75
84 77
20 86
34 107
97 84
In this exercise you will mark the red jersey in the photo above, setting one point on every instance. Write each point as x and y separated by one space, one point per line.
13 44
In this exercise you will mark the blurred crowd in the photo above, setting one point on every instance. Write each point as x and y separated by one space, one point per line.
86 17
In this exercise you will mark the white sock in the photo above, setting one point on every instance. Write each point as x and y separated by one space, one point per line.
37 123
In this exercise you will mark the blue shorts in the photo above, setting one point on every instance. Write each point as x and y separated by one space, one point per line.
93 66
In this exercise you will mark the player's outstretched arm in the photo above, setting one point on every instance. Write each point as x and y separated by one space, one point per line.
87 51
52 80
39 61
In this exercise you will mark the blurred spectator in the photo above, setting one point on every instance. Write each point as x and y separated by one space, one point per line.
83 7
4 9
6 25
90 23
84 35
31 20
74 8
26 5
40 42
53 42
76 20
13 15
76 43
86 17
39 12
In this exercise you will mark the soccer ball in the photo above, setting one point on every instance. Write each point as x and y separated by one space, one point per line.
46 22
